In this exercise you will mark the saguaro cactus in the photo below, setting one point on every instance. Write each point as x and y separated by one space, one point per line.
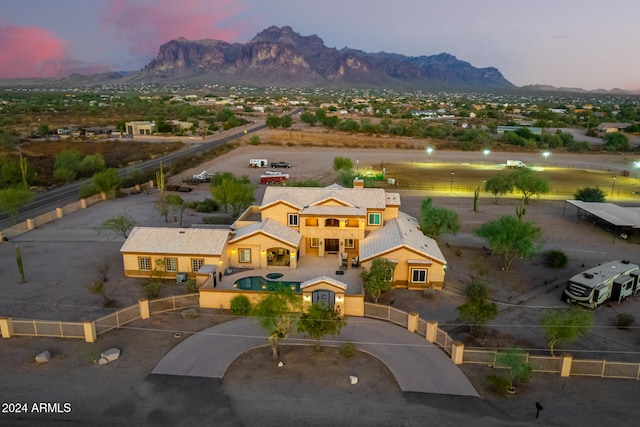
476 196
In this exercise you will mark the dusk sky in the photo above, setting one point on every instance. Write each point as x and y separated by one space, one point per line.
557 42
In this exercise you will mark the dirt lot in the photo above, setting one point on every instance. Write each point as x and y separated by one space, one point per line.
62 257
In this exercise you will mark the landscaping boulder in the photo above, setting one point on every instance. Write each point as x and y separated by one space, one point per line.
353 379
43 357
109 356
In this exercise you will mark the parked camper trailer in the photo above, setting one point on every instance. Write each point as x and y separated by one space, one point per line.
258 163
611 281
274 179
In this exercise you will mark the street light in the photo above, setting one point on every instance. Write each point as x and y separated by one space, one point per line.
546 154
486 152
357 166
429 151
613 185
451 188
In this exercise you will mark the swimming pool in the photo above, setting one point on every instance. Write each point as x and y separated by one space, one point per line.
259 283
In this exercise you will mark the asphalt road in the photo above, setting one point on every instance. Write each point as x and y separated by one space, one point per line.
60 196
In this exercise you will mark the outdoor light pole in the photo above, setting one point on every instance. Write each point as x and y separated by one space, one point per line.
451 188
546 154
613 185
429 151
486 152
357 166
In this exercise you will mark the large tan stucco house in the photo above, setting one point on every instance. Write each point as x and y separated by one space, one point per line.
354 225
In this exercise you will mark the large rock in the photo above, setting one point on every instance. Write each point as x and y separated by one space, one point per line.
109 356
353 379
43 357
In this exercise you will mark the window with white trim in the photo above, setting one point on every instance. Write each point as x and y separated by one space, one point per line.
171 264
315 242
244 255
196 263
419 275
293 220
374 218
144 263
349 243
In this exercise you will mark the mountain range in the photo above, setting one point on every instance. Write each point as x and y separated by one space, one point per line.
281 57
278 56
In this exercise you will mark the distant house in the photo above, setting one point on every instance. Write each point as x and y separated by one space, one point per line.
140 128
424 114
612 127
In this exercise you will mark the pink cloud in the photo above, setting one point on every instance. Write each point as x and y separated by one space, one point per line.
145 25
31 52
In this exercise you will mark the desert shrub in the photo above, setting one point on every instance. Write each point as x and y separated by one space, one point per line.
97 287
498 383
348 350
255 140
555 258
578 146
624 320
240 305
87 190
92 353
190 286
192 204
152 289
207 206
467 146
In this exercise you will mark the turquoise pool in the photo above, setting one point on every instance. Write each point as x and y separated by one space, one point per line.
259 283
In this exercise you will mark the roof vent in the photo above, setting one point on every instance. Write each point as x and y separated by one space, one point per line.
181 232
587 275
625 261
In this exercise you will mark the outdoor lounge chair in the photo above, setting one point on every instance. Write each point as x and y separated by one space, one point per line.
343 260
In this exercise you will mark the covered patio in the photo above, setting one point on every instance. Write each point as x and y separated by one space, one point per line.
309 267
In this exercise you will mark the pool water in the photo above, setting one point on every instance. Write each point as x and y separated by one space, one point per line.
259 283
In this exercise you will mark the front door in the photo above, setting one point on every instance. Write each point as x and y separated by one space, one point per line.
331 245
324 297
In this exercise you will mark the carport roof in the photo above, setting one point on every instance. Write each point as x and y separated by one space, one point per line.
610 212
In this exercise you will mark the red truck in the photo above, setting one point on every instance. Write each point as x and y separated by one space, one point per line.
274 179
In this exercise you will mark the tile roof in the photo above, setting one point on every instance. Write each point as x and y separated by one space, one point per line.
333 210
375 198
161 240
396 233
271 228
327 279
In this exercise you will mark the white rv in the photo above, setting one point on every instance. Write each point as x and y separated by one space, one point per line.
258 163
611 281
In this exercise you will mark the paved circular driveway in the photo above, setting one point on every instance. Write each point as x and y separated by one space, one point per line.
417 365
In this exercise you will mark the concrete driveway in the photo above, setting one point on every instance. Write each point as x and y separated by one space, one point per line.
417 365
